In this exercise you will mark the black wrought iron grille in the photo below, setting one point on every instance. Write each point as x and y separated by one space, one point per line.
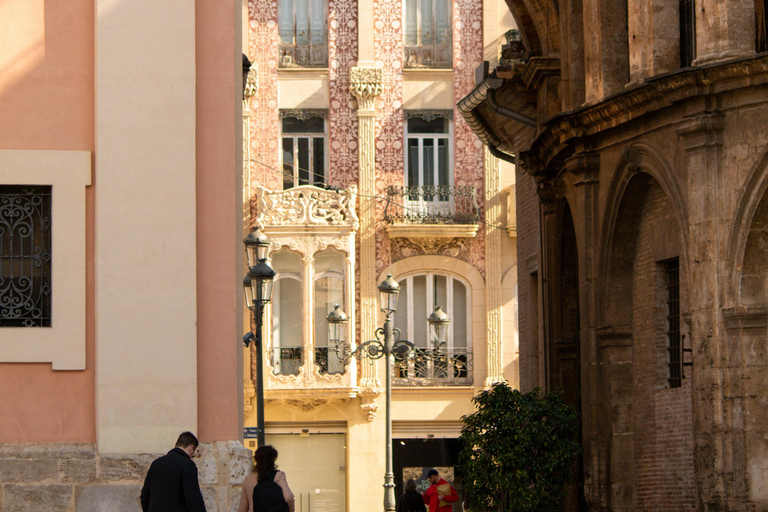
431 205
287 360
25 256
687 32
673 323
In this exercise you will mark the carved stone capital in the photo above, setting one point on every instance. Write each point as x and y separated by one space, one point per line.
368 405
365 83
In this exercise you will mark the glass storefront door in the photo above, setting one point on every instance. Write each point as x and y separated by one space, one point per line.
314 466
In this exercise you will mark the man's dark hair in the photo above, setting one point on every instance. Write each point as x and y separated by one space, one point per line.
186 439
432 472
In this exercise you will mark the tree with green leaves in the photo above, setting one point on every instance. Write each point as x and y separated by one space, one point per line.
517 450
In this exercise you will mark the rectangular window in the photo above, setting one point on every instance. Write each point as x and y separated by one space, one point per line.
687 32
303 33
428 166
672 270
25 256
303 152
428 34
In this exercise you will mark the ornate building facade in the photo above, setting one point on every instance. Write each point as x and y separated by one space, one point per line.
359 165
642 210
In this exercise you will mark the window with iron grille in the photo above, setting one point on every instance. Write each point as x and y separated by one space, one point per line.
303 152
687 32
428 34
674 345
25 256
303 33
761 27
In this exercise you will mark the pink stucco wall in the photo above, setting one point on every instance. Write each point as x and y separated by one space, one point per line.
218 224
46 102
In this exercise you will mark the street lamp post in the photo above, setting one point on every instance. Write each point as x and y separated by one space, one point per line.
392 347
257 286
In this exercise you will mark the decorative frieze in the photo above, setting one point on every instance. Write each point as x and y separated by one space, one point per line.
365 84
307 206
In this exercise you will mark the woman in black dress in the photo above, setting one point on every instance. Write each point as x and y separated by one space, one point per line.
411 500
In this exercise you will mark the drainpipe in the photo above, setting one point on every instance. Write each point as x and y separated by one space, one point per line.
504 111
467 106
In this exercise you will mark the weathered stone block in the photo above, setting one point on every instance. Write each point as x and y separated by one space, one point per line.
240 462
210 496
43 498
234 497
47 451
77 470
109 498
25 470
125 467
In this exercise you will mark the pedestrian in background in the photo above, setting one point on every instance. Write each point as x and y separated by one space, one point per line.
171 484
266 488
440 495
411 500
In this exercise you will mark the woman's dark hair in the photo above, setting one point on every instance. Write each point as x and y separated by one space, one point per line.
410 485
264 462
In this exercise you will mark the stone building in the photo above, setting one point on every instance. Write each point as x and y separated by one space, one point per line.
360 166
639 130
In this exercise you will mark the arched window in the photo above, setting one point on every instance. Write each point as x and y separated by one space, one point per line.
419 295
329 290
287 314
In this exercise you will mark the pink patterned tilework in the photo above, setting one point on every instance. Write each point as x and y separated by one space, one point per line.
342 115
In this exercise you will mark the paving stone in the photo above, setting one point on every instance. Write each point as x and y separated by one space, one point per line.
108 498
23 471
34 498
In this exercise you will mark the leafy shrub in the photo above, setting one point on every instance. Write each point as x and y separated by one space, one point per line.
517 450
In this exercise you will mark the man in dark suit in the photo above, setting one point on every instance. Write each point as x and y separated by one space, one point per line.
171 484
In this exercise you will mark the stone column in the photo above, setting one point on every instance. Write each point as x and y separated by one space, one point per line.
365 83
724 30
746 367
702 141
493 213
583 170
606 54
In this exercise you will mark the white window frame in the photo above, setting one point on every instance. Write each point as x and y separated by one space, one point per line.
448 308
419 44
285 48
305 135
421 204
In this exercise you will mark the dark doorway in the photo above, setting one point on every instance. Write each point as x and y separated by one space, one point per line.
412 455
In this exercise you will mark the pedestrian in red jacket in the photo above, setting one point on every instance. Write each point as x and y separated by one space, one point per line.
441 495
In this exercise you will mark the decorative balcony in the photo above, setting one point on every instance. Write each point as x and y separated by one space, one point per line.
433 367
432 211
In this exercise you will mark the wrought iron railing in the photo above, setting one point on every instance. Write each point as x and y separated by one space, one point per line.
436 50
287 360
310 50
430 367
432 205
329 361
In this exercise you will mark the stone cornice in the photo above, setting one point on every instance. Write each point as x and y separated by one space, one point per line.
654 94
537 69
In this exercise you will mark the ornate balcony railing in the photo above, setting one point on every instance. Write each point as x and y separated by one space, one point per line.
328 361
309 51
431 367
435 50
432 205
287 360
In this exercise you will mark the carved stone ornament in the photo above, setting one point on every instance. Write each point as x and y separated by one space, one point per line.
366 82
307 206
302 114
252 82
369 406
428 115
